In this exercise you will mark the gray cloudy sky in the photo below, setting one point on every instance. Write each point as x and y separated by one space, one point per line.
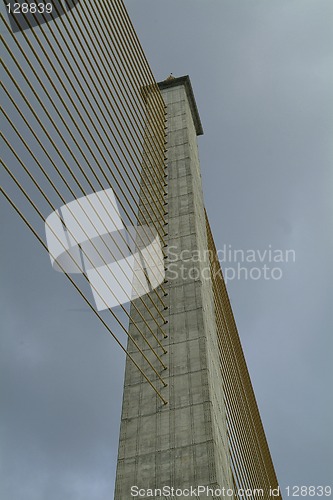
262 74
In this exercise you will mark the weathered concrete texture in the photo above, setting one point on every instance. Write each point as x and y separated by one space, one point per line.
183 443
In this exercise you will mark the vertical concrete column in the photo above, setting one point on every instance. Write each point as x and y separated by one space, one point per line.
183 443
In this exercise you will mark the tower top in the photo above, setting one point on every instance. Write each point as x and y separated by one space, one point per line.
172 81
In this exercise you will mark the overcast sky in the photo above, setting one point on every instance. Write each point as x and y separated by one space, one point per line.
262 74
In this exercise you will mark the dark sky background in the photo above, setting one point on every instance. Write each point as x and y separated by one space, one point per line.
262 74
